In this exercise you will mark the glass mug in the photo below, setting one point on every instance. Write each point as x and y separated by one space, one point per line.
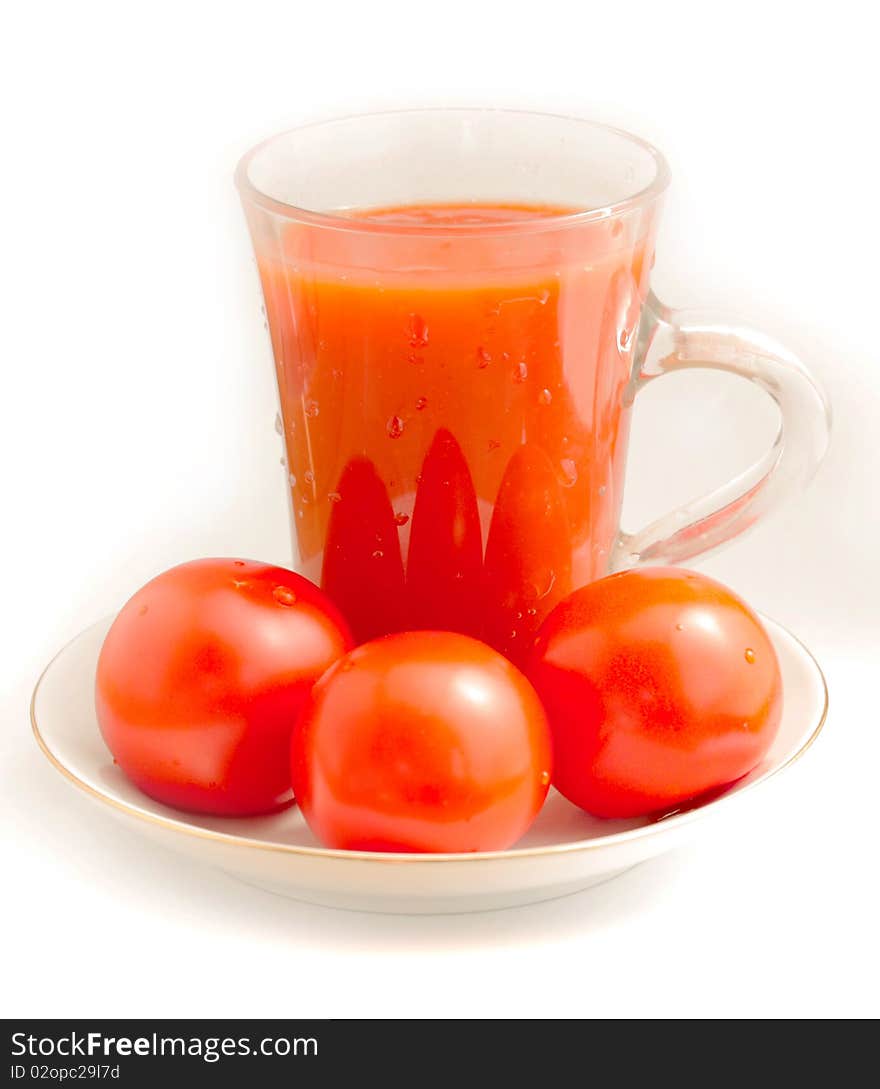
459 307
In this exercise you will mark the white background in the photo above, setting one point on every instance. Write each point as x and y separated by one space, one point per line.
136 431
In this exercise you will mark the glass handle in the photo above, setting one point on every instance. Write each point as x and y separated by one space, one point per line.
671 341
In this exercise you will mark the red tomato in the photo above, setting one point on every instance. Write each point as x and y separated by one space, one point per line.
421 741
202 675
659 685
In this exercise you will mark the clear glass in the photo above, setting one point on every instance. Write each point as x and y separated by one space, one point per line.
460 315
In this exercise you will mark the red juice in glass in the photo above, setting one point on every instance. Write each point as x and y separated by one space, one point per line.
455 418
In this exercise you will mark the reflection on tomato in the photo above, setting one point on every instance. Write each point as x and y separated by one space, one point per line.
445 559
659 684
528 553
363 568
421 741
202 675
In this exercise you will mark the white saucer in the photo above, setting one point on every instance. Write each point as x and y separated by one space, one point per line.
564 851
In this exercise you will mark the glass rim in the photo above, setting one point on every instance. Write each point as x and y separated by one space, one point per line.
338 220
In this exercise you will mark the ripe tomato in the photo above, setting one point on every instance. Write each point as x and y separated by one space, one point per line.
421 741
202 675
659 685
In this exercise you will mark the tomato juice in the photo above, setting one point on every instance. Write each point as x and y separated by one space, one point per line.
454 393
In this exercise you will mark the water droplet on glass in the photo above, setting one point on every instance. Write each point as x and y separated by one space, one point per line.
394 427
513 634
545 778
312 409
415 358
418 331
309 476
334 497
378 554
142 611
292 480
484 358
679 627
282 461
284 595
494 444
544 297
531 612
279 426
336 373
401 519
521 371
569 472
301 514
421 404
750 656
745 726
602 489
545 397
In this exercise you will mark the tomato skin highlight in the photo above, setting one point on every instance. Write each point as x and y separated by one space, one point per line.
660 684
421 741
201 677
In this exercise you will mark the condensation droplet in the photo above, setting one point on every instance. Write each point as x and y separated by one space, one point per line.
544 297
421 404
291 479
513 634
282 461
545 397
494 444
142 611
531 612
569 472
679 627
521 371
401 519
415 358
745 726
312 409
378 554
484 358
284 595
336 373
334 497
394 427
545 778
279 426
750 656
309 476
602 489
418 331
